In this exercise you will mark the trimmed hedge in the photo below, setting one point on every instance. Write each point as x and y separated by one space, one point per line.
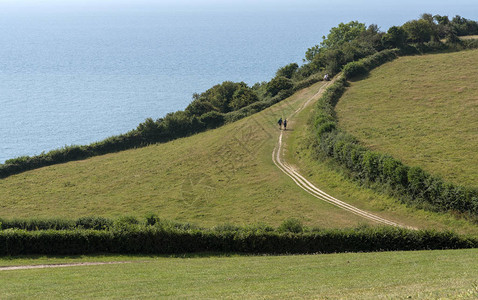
159 240
418 187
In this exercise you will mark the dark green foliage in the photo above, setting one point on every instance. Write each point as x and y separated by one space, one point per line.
291 225
345 43
395 37
251 239
242 97
198 108
212 119
419 187
343 34
462 26
287 71
354 68
418 31
278 84
96 223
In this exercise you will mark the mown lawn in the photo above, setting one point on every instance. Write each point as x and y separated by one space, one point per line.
390 275
422 110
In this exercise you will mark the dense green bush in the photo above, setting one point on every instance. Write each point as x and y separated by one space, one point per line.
254 239
353 69
287 71
278 84
291 225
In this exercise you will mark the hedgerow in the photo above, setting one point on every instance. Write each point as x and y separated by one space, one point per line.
412 184
291 237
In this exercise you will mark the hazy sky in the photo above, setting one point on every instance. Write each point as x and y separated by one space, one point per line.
247 5
385 13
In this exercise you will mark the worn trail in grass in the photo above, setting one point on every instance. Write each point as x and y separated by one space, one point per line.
223 175
220 176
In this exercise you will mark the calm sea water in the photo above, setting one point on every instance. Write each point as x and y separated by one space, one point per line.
78 76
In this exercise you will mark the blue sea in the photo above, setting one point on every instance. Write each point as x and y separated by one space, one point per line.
75 72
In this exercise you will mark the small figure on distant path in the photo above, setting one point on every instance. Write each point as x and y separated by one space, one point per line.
285 124
280 123
326 77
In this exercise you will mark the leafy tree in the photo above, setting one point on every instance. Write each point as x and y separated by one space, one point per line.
278 84
435 36
243 97
395 37
217 98
337 37
221 95
312 52
419 31
371 38
342 34
463 26
199 107
288 70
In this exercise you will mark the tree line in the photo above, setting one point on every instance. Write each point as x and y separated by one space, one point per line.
231 101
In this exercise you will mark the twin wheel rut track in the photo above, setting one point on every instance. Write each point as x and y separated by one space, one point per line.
312 189
284 167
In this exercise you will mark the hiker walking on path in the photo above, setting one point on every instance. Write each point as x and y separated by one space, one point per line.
285 124
280 123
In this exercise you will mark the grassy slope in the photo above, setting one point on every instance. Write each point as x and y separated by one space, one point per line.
221 176
327 176
423 275
224 175
422 110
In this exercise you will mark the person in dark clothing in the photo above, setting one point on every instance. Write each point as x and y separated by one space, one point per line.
280 123
285 124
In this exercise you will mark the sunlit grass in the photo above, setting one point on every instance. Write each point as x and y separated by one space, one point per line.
220 176
420 274
422 110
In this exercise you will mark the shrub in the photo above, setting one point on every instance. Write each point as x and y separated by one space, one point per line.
96 223
291 225
212 119
152 219
354 68
278 84
287 71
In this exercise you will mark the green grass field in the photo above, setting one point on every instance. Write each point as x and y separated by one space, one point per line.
224 175
220 176
422 110
391 275
227 176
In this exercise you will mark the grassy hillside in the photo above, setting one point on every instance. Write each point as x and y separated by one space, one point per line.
220 176
421 274
422 110
224 175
